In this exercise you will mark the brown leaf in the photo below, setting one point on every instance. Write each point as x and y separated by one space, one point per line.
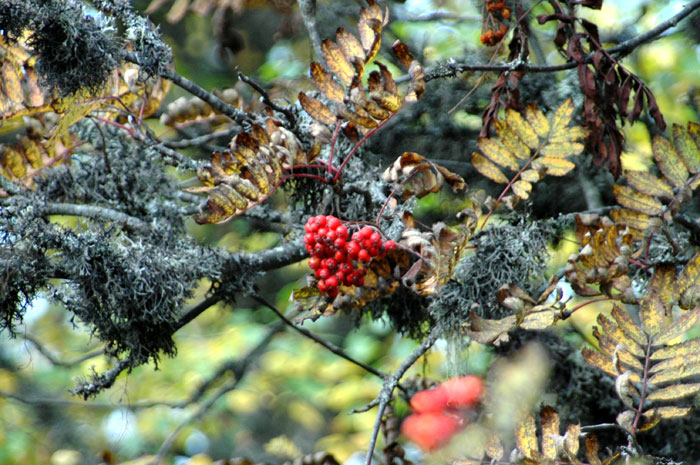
317 110
337 62
325 83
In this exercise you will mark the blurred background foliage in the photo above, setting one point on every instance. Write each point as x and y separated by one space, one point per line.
297 397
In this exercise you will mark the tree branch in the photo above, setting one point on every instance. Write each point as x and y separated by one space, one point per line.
194 89
451 67
239 371
308 13
305 332
96 213
55 360
390 384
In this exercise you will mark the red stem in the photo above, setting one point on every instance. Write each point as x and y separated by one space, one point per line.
357 146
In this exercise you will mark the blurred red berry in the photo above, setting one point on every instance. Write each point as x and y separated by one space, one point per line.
430 430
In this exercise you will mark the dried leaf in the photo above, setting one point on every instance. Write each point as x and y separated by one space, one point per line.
522 189
549 419
553 166
633 219
418 176
351 46
630 329
678 350
317 110
337 62
325 83
591 442
526 437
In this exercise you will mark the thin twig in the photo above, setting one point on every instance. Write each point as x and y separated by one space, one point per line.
43 350
266 97
194 89
239 372
451 67
392 381
196 141
305 332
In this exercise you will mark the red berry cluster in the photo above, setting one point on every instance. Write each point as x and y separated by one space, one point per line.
438 413
496 30
334 256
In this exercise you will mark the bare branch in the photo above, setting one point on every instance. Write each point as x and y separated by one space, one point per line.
305 332
266 97
390 384
43 350
451 67
239 372
96 213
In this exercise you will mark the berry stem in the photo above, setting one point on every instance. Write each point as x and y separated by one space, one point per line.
359 144
333 142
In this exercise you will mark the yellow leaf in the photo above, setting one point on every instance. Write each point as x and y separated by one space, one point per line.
497 153
493 447
678 350
387 100
687 148
561 149
668 412
633 219
177 11
325 83
522 189
604 364
673 362
562 118
537 120
522 128
531 176
687 369
647 183
526 437
652 314
370 27
510 140
571 440
669 162
362 120
336 62
679 327
629 328
630 198
488 169
553 166
317 110
13 97
571 134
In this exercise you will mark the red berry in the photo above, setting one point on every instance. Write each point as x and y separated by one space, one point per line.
373 252
322 232
349 279
356 236
353 249
323 272
309 238
339 243
317 273
376 238
342 231
331 235
319 249
389 245
320 220
430 430
309 248
366 243
340 275
314 262
331 263
332 292
339 256
332 222
366 232
363 255
321 285
465 391
332 281
345 267
430 400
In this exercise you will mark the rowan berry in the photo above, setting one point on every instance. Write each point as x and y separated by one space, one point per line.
332 292
332 281
321 221
352 249
366 232
314 262
323 272
321 285
332 222
342 231
339 243
363 255
389 245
